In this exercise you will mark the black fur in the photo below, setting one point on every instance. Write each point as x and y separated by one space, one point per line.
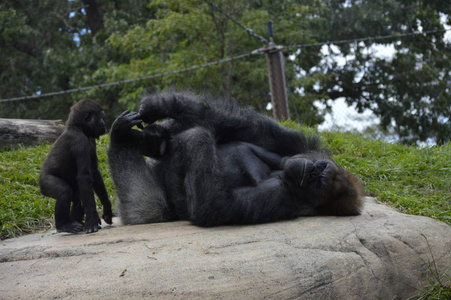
70 172
214 163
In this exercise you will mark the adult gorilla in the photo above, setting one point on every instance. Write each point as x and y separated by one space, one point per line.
214 163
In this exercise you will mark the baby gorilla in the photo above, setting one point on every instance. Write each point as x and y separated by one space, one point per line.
214 163
70 172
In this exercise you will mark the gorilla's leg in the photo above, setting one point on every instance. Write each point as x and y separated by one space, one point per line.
322 185
54 187
77 211
228 121
210 199
141 198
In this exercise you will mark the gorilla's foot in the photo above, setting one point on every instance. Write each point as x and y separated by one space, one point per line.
72 227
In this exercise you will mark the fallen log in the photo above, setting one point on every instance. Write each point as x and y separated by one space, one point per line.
14 132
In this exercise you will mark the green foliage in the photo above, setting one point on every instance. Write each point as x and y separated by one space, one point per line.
58 52
414 181
409 92
22 207
188 33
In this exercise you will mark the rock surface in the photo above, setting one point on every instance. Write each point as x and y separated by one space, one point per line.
381 253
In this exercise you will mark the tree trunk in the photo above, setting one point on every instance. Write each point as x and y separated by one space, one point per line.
28 132
94 18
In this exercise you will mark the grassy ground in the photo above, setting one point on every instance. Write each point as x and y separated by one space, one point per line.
414 181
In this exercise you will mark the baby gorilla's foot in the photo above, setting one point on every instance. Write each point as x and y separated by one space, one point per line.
72 227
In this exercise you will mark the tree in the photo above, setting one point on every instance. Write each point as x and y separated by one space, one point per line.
87 42
409 92
51 46
34 51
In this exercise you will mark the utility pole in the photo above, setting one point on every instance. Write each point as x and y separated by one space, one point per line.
276 74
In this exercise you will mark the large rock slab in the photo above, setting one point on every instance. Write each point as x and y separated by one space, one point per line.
381 253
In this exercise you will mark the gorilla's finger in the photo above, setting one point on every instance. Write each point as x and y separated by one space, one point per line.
133 115
136 122
123 114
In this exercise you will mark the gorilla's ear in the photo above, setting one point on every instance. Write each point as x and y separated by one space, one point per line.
88 116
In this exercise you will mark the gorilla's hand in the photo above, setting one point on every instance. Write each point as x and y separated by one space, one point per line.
107 215
121 130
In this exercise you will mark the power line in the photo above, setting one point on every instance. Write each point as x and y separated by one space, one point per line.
374 38
257 51
248 30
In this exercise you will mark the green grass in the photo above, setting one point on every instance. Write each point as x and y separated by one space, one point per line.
439 284
414 181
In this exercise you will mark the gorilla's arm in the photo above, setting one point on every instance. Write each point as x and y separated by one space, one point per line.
101 192
227 121
82 147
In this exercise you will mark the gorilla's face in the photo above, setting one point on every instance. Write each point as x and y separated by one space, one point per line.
94 124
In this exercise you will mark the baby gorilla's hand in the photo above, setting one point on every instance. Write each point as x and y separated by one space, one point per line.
107 215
